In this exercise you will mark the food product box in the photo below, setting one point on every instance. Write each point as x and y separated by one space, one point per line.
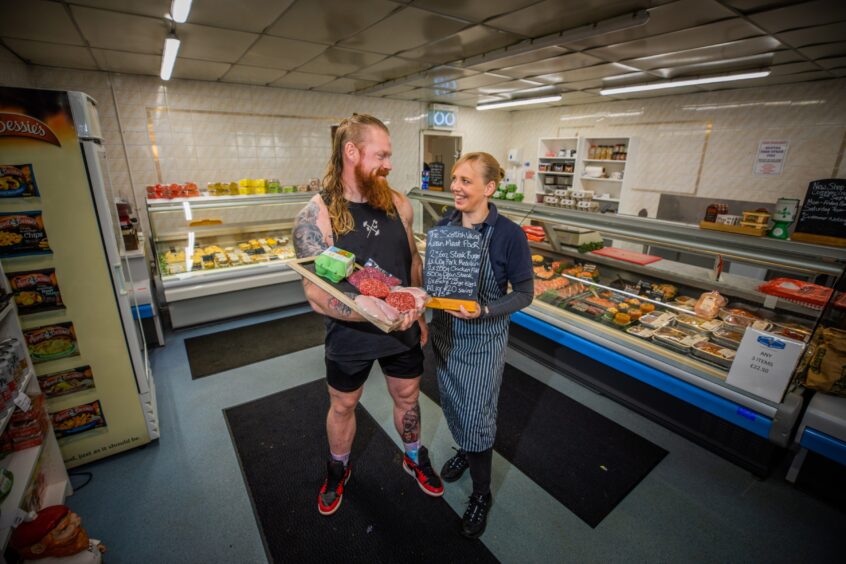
677 339
35 290
22 233
714 353
66 382
657 319
78 419
51 342
697 323
18 181
334 264
640 331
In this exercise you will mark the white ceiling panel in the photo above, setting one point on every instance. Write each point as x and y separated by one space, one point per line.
390 68
833 62
521 59
243 15
770 81
551 16
806 14
731 50
133 63
403 30
52 54
589 73
749 6
702 36
151 8
814 35
6 55
296 79
341 61
244 74
410 95
394 90
825 50
37 20
330 21
474 11
580 85
535 91
443 77
561 63
755 62
467 43
199 70
344 85
663 19
123 32
279 53
478 80
213 44
505 87
448 97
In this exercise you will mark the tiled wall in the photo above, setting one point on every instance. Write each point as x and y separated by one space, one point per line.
671 139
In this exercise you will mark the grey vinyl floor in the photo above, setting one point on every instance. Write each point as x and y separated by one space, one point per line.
183 500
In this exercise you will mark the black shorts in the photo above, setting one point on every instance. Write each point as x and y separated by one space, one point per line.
350 375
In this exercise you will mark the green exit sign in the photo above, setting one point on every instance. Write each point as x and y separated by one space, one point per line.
442 117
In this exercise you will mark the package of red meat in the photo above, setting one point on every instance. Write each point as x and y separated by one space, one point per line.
371 270
798 291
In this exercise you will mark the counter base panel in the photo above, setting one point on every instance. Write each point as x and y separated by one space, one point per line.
216 307
743 447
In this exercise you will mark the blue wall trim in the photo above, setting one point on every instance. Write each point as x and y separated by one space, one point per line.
714 404
823 444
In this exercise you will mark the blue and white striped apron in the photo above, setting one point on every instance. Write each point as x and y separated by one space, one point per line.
469 358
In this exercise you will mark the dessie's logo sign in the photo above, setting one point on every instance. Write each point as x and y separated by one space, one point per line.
19 125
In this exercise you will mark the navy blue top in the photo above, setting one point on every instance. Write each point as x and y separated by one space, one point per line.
509 248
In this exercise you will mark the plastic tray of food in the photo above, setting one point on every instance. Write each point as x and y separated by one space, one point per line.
727 336
697 323
586 309
713 353
685 302
657 319
791 331
641 331
677 339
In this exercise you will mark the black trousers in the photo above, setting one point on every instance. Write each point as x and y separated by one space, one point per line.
480 470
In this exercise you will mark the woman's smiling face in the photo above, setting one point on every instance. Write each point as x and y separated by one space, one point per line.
469 189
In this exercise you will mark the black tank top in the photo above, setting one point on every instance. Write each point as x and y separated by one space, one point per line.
381 238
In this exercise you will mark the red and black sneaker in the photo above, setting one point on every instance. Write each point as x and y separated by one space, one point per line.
423 472
332 491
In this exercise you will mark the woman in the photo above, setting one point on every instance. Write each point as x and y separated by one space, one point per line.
470 346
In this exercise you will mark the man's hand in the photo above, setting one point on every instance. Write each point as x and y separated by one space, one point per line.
407 319
462 313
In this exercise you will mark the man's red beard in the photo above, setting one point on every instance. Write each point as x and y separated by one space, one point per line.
374 187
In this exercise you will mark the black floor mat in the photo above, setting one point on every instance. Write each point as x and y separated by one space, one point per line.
384 517
822 478
225 350
582 459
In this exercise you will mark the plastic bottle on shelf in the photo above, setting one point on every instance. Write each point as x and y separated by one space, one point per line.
711 213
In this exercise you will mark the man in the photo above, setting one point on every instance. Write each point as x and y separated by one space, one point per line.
357 211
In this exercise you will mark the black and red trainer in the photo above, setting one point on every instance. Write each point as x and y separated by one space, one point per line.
426 477
332 491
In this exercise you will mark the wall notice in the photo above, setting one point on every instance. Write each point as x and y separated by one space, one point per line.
770 158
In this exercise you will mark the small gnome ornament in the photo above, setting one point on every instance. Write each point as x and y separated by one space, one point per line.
56 532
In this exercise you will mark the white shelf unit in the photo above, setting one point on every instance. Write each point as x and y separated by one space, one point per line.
556 153
23 463
606 189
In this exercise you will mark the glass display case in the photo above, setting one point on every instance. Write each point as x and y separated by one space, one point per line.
600 290
221 256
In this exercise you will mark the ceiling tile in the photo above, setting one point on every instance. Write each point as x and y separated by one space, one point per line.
505 87
710 34
550 16
133 63
6 55
579 98
389 69
473 11
244 15
37 20
588 73
462 45
670 17
410 95
124 32
514 60
341 61
833 62
213 44
405 29
244 74
279 53
394 90
817 12
555 64
199 70
755 62
447 97
52 54
580 85
825 50
814 35
344 85
329 21
443 77
769 81
749 6
296 79
478 80
535 91
151 8
733 49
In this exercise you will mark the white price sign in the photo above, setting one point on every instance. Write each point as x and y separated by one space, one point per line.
764 364
770 158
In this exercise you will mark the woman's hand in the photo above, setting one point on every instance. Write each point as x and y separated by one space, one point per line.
462 313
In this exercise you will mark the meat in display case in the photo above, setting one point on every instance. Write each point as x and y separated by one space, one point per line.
674 326
222 256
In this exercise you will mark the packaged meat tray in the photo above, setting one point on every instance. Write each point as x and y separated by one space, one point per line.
714 353
697 323
586 309
677 339
727 337
805 293
640 331
657 319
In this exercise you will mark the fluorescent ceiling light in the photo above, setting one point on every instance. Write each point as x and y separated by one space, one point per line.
523 102
680 83
179 10
171 48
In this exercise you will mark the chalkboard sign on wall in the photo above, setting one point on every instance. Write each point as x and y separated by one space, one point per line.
823 216
436 175
451 272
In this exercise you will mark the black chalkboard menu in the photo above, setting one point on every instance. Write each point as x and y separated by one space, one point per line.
453 260
436 175
823 216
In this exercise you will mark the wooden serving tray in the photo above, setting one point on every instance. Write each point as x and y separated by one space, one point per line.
740 229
